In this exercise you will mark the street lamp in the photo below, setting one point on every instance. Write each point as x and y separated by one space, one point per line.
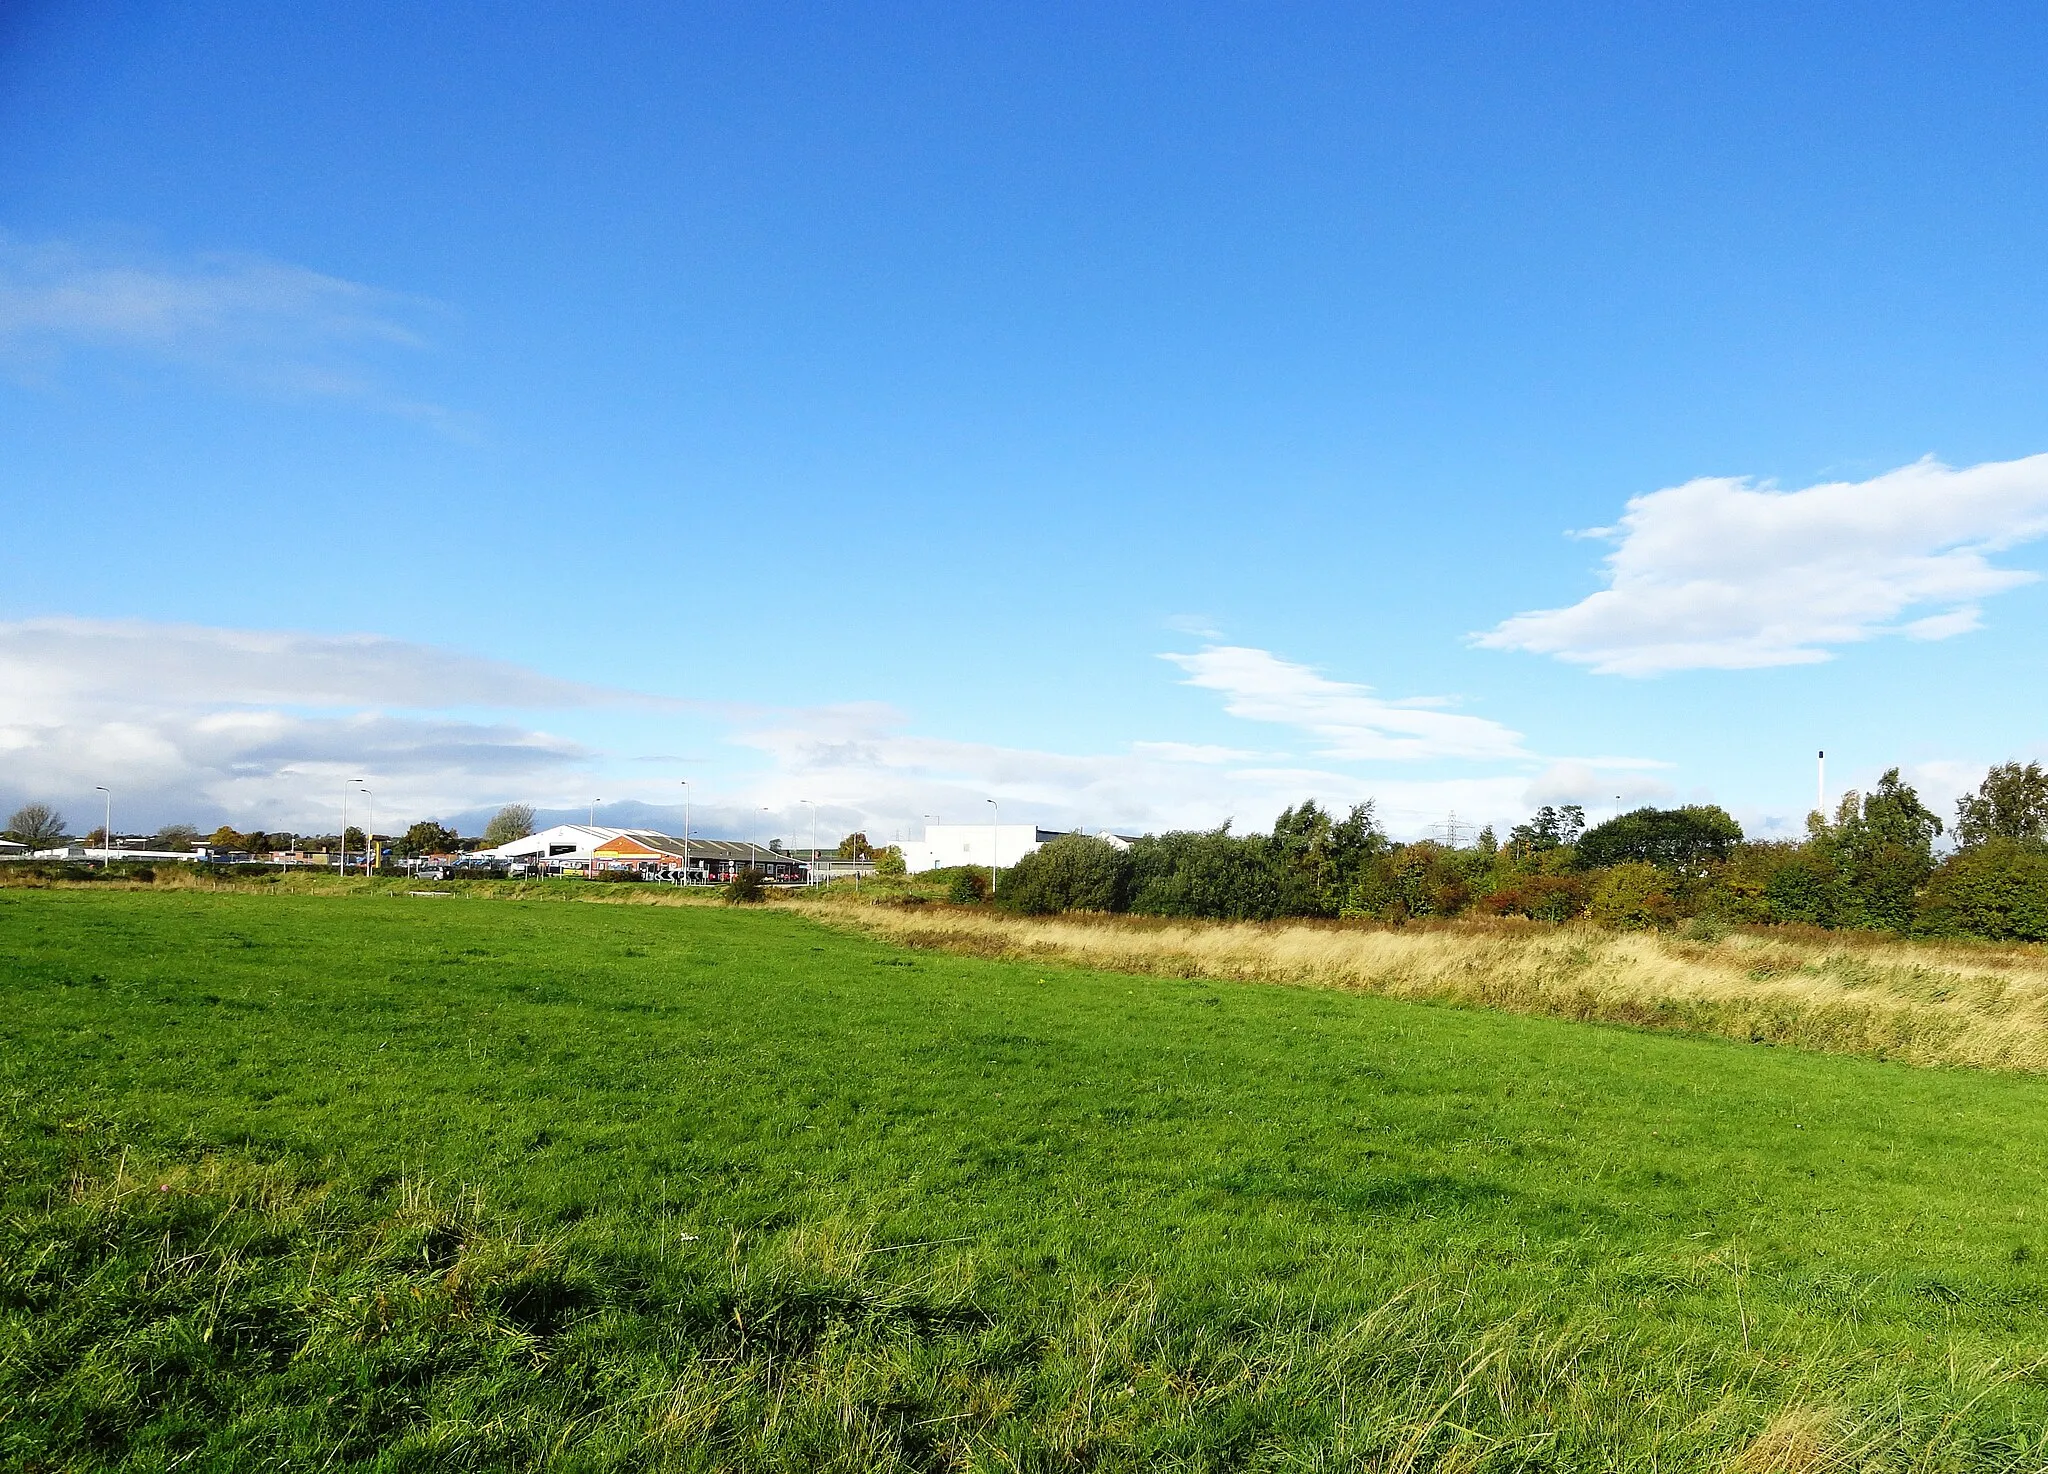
106 829
995 839
369 835
685 783
593 811
813 870
344 824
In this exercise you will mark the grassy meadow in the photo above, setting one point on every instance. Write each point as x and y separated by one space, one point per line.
299 1181
1851 992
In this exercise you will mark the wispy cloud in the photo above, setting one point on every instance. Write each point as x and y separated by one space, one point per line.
1723 574
865 758
260 325
249 722
51 660
1349 721
863 761
262 725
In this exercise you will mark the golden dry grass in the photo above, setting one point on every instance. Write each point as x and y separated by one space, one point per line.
1848 993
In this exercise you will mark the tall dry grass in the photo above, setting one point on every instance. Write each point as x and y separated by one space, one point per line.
1847 993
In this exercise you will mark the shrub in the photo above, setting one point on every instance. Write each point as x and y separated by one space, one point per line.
1539 897
1211 873
1423 879
890 861
1632 896
967 887
1997 889
1661 837
1805 887
1072 873
745 888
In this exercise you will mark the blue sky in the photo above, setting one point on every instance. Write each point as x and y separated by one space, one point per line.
856 404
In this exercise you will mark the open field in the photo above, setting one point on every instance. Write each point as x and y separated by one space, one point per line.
1930 1003
295 1181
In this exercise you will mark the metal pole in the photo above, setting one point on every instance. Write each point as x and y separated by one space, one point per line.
995 839
1820 791
686 828
369 834
107 829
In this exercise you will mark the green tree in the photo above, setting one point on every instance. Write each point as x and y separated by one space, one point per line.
427 838
36 825
514 821
1422 879
1320 858
889 861
1071 873
1674 838
174 837
1548 829
855 847
1997 889
1632 896
1882 848
1206 873
2011 803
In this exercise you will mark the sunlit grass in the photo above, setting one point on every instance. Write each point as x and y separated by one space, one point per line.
306 1181
1929 1003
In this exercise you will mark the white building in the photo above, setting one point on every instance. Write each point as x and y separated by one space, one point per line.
984 844
564 844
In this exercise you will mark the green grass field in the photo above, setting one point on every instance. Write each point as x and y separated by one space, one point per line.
314 1181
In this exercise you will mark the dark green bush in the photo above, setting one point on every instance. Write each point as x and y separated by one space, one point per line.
1669 837
745 888
967 887
1997 890
1212 873
1072 873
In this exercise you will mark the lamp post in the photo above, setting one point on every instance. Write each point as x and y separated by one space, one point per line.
1820 787
107 828
344 824
685 783
369 835
813 871
593 811
995 839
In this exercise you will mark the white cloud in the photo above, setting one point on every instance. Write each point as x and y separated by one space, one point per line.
263 325
1349 721
189 721
1722 574
860 761
50 660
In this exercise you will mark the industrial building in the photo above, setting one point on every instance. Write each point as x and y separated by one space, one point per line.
985 844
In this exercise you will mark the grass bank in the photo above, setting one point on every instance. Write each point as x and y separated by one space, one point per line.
305 1181
1924 1003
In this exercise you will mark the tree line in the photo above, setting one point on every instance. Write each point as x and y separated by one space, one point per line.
1873 864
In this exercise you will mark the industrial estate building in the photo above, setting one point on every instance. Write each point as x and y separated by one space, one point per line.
588 848
985 844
